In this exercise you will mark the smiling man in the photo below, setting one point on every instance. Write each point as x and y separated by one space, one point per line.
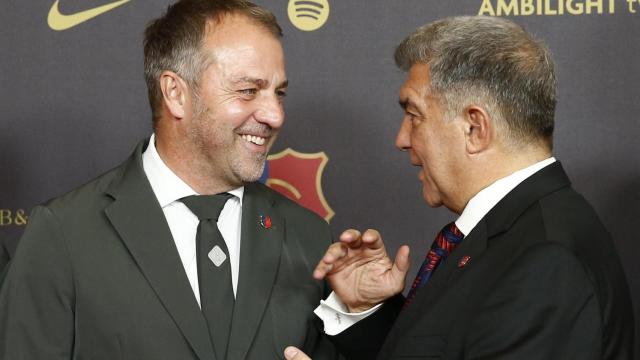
527 270
178 253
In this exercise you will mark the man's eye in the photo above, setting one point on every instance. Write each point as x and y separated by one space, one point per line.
281 94
248 92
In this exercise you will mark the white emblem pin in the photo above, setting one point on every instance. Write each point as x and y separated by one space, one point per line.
217 256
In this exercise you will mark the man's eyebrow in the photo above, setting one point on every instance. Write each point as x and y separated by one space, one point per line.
261 83
283 84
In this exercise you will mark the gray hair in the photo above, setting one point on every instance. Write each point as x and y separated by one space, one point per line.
492 62
174 41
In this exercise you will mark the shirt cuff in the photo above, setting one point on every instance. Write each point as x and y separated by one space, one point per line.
336 317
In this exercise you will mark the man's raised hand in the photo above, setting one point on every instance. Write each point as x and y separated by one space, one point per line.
360 271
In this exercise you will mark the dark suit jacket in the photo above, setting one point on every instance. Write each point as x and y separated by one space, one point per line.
97 276
4 256
543 282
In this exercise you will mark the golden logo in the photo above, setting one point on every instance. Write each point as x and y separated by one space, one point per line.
58 21
9 217
547 7
308 15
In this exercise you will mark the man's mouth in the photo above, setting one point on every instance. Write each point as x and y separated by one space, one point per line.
257 140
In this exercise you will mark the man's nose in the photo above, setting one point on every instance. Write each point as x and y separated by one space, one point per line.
403 138
270 112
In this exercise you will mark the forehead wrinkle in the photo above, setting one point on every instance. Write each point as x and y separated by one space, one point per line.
423 94
411 97
226 56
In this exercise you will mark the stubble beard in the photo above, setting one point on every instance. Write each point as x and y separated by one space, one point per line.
248 172
223 153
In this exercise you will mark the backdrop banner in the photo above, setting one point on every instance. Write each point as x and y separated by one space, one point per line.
74 105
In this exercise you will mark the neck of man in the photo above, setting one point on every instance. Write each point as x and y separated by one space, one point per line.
494 165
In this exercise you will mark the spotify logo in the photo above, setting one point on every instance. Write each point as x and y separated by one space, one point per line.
308 15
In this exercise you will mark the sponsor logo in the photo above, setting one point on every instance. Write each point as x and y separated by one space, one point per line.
10 217
554 7
58 21
298 176
308 15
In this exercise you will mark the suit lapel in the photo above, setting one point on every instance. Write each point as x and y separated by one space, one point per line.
140 222
444 278
546 181
260 250
473 246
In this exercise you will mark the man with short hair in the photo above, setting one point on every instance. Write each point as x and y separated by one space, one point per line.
179 253
527 270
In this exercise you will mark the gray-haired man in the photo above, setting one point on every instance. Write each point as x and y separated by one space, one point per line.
527 271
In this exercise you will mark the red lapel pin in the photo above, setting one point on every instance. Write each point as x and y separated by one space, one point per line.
265 222
464 261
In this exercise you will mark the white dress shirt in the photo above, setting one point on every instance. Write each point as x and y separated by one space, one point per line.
334 313
169 189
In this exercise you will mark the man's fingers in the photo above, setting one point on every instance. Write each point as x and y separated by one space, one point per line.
351 238
293 353
401 266
372 239
334 253
351 241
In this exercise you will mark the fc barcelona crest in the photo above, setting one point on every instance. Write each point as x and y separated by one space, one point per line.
298 176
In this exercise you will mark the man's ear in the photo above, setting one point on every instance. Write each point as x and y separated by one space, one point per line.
175 94
479 129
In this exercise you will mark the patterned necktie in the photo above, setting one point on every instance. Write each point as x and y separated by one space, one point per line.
446 240
214 269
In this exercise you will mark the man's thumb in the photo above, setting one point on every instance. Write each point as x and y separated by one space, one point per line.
401 264
293 353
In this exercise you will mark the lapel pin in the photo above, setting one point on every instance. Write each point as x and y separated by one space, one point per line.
464 261
265 222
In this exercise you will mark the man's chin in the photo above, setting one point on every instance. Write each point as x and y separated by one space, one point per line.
249 173
431 200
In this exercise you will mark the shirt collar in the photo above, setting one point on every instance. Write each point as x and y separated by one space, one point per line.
487 198
166 185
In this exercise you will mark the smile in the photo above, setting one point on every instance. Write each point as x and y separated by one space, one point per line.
254 139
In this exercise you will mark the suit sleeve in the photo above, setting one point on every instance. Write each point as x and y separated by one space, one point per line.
36 296
545 308
323 348
363 340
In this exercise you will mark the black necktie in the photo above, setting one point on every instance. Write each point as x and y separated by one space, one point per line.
214 269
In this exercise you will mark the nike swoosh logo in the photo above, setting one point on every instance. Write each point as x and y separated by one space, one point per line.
58 21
